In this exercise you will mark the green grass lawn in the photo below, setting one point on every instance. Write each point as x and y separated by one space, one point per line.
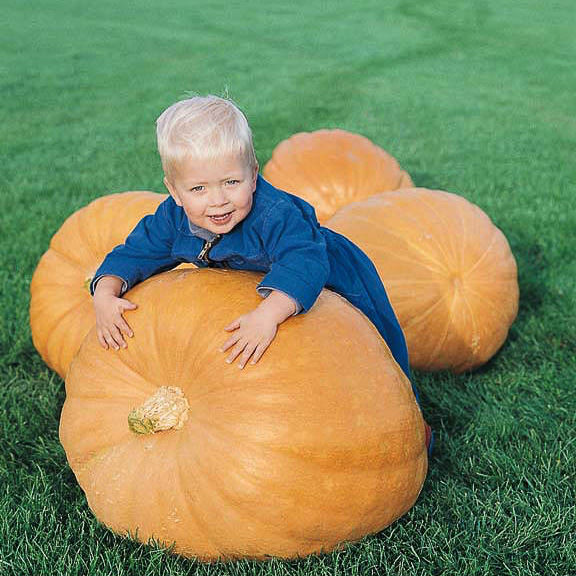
475 97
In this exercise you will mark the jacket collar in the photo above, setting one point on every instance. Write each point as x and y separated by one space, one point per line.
201 232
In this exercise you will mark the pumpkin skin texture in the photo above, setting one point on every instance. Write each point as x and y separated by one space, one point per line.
449 273
331 168
321 442
61 312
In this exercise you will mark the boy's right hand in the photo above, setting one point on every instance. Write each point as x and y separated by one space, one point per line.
110 323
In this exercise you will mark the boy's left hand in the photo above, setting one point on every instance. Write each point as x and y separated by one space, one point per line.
253 333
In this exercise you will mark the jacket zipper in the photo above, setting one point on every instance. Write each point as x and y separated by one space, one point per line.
203 256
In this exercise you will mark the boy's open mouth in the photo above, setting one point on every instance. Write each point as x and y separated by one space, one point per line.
221 218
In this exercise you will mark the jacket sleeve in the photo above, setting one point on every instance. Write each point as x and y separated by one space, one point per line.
297 249
146 251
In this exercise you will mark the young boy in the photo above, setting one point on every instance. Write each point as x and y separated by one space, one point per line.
221 213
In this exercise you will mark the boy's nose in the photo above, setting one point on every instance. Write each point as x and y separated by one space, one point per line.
218 198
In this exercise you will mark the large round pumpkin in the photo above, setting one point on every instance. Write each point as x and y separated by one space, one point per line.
61 312
448 270
320 443
331 168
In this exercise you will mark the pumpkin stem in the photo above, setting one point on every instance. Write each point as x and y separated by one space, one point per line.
166 409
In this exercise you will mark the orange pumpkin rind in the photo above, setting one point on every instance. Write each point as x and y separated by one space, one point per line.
448 270
321 442
331 168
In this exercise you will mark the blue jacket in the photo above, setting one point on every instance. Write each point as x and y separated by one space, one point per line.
281 237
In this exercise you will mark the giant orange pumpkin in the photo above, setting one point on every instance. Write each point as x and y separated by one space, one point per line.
449 273
61 311
320 443
331 168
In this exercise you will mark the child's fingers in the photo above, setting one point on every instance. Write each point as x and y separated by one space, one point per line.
230 342
260 349
233 325
248 351
124 327
236 351
109 339
116 336
127 305
102 340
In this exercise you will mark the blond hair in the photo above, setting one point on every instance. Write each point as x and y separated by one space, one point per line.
204 127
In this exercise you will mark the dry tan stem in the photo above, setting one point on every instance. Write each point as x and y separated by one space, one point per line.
166 409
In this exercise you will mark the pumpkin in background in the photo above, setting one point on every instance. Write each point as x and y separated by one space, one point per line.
61 312
448 271
319 443
331 168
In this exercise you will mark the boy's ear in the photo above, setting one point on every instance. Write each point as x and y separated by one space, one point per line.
255 175
172 191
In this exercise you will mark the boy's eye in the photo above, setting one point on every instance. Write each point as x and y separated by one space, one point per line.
232 182
197 189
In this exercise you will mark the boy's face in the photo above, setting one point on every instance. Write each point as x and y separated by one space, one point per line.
215 194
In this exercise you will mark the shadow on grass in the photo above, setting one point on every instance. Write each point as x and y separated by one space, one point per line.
532 271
